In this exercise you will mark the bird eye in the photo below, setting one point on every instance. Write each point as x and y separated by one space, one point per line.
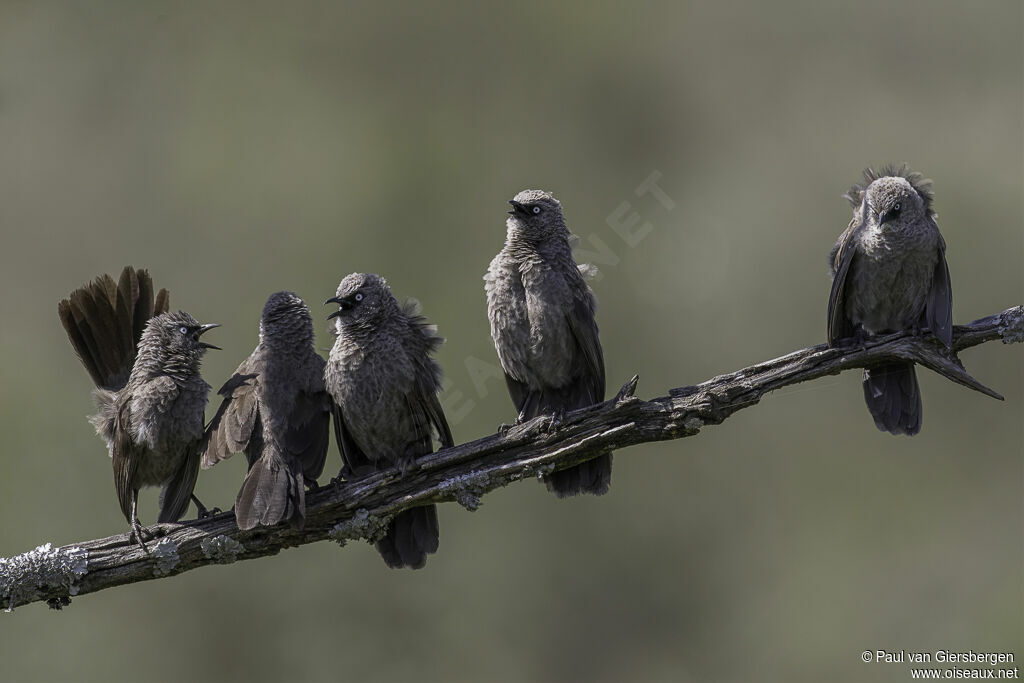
536 209
183 330
358 296
896 206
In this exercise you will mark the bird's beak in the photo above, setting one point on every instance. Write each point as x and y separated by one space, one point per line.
343 305
206 328
517 208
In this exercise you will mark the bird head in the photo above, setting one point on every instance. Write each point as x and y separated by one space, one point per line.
286 318
893 196
362 298
536 215
174 339
892 200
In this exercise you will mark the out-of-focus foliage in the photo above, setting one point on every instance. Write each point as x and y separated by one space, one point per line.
236 149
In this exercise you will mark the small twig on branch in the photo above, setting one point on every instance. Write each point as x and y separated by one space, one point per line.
359 509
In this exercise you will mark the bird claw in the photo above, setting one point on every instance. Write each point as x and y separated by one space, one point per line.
347 474
407 464
313 486
202 511
859 340
136 536
553 421
208 513
504 429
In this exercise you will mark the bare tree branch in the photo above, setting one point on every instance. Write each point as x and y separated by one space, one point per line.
360 509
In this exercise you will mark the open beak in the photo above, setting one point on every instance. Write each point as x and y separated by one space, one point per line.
206 328
343 305
518 208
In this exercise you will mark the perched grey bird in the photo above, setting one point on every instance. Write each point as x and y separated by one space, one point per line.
385 383
151 399
277 410
889 274
542 321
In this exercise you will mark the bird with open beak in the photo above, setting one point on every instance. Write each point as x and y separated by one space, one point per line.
385 382
542 315
150 395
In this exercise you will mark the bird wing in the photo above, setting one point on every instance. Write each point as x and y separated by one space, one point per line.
176 494
842 255
232 427
308 435
123 452
588 375
424 406
428 417
582 324
939 308
352 456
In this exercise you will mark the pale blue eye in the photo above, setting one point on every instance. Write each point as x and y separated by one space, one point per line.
358 297
184 330
536 209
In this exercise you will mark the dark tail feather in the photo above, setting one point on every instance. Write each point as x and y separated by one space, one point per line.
412 535
177 493
104 321
593 476
271 493
894 398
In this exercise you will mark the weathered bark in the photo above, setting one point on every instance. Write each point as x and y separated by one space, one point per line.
463 473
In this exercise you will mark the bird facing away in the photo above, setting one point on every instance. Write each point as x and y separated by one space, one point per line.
385 383
889 275
151 399
277 410
541 312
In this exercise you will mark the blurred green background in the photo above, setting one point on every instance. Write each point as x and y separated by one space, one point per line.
239 149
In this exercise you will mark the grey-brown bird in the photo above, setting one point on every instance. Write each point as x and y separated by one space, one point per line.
541 312
889 274
151 398
385 385
278 412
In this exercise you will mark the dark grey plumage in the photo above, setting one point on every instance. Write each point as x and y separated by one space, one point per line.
151 399
541 312
385 383
889 274
278 412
